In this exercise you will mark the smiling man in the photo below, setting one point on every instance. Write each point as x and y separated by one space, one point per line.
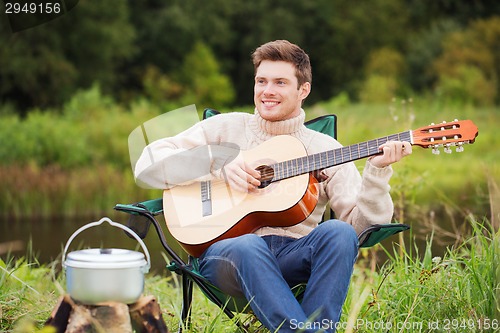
264 264
278 94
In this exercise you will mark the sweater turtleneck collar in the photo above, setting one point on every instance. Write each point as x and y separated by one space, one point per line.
282 127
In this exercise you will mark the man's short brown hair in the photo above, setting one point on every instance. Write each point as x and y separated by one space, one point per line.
283 50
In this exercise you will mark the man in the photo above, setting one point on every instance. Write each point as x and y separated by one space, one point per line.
263 265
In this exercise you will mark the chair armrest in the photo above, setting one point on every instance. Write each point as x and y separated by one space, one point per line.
378 232
153 207
130 208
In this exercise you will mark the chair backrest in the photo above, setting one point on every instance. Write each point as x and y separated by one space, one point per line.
326 124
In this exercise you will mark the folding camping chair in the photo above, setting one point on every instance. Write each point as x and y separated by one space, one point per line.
144 213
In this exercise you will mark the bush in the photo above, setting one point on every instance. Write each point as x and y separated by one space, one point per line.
42 138
378 89
467 85
204 81
103 125
424 48
468 67
384 70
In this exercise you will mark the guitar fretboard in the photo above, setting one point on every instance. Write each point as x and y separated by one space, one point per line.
323 160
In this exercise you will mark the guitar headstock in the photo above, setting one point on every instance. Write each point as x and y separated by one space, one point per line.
455 133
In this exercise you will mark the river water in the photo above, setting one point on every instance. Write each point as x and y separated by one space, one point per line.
45 239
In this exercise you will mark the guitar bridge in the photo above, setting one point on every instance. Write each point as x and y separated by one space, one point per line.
206 198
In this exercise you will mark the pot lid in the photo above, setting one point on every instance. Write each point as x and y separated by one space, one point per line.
105 258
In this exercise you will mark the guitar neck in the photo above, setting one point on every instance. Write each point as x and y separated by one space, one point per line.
330 158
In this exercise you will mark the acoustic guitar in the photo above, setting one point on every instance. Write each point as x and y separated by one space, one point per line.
199 214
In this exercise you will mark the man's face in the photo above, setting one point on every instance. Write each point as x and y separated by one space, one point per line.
276 96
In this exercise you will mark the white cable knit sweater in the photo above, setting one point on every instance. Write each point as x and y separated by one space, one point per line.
184 158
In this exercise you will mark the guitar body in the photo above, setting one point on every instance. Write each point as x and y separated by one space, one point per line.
233 213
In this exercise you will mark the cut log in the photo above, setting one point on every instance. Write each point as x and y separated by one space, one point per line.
110 317
60 315
146 316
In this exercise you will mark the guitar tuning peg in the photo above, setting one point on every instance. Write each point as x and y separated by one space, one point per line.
455 120
447 150
435 151
460 147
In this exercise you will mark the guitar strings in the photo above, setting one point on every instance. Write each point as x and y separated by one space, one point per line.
290 168
318 161
325 159
322 160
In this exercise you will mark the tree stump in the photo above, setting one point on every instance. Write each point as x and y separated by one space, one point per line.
146 316
111 317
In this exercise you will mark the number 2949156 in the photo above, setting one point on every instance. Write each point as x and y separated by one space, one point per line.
32 8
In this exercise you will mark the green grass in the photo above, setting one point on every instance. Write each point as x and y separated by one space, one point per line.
28 293
410 292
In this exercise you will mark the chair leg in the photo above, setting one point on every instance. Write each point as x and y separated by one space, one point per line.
187 297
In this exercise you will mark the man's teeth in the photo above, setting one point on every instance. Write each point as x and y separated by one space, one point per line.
270 103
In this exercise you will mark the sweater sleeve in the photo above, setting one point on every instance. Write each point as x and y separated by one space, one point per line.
361 200
183 159
163 162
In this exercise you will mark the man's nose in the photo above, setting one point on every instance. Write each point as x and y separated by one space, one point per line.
268 89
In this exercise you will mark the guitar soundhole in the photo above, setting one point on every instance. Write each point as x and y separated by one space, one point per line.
266 175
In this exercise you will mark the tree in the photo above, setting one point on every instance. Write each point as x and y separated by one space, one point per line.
204 82
423 48
469 65
384 72
341 35
44 65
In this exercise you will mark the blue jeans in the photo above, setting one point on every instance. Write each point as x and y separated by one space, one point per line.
264 268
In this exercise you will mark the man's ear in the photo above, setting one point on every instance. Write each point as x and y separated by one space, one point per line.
304 90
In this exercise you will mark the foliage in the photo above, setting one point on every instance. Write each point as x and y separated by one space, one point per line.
43 66
199 80
348 33
386 62
159 87
73 162
462 286
378 89
468 67
201 75
42 138
128 46
384 72
90 129
27 294
424 48
467 84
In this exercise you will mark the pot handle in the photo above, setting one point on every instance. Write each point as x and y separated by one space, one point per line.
114 224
